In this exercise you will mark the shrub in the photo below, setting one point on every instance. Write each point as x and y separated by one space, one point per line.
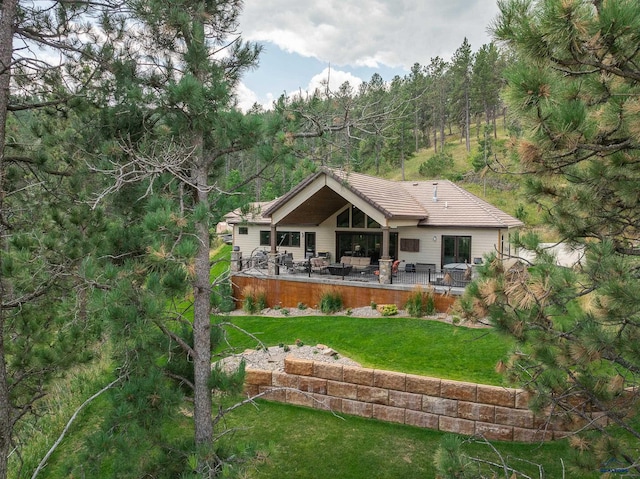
330 300
389 310
255 299
421 303
222 297
436 165
302 306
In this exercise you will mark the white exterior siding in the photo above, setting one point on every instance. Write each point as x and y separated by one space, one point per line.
247 242
483 241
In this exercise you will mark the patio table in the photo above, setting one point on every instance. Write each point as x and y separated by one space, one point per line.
301 266
339 269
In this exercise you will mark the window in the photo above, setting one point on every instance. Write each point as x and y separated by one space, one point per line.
343 219
243 230
456 249
410 245
285 238
355 218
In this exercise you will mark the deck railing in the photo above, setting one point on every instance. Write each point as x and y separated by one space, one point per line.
258 263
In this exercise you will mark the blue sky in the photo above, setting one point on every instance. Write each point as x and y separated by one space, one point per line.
303 40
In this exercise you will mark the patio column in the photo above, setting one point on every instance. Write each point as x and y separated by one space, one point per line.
384 266
384 263
236 260
385 243
272 263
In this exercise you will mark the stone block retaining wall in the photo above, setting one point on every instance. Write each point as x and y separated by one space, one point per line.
494 412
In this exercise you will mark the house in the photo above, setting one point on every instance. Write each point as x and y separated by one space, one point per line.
342 214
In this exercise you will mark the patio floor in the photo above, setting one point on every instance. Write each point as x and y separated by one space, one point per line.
453 281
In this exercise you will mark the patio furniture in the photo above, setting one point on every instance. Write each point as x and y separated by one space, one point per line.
425 267
259 259
300 266
286 260
318 265
357 262
338 269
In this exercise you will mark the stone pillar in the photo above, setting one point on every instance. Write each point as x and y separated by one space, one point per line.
384 266
272 265
236 260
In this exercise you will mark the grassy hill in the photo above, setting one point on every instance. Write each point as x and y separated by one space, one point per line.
499 189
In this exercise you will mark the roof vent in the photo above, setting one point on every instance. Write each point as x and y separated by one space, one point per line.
435 192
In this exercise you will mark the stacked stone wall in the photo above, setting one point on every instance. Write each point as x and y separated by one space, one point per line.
496 413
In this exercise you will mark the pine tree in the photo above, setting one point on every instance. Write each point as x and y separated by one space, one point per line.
170 129
575 90
45 229
460 71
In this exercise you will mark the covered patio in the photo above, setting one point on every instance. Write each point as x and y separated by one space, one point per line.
262 264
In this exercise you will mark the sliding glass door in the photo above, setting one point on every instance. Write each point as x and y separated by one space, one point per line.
456 249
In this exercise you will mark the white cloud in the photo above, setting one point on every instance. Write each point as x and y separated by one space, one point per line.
335 79
355 35
247 98
396 33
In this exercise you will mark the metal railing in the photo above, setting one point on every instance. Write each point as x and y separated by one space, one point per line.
258 262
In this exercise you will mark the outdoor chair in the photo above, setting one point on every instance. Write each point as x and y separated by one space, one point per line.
319 265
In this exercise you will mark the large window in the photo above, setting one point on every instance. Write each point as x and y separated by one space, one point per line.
285 238
355 218
456 249
364 244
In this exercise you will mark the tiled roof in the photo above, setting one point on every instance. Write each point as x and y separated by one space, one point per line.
384 195
455 207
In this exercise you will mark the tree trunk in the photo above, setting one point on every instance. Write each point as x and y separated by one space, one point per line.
416 130
467 121
402 146
8 10
201 307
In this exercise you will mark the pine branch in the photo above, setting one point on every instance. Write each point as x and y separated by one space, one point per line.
44 460
181 342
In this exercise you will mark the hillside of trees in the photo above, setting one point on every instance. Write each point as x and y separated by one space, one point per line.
121 150
443 120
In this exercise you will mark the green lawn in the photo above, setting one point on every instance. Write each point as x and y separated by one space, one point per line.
288 441
408 345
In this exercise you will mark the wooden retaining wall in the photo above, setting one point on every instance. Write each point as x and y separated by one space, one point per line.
290 292
496 413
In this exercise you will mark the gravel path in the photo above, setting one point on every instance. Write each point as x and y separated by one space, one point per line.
273 358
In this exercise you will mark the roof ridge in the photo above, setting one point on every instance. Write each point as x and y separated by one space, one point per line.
335 173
